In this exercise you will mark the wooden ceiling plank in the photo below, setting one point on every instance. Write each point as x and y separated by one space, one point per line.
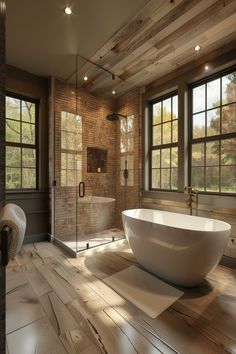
120 60
213 25
216 13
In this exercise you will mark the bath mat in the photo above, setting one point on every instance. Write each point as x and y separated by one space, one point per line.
144 290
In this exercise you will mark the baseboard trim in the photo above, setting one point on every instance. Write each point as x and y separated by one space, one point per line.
229 262
36 238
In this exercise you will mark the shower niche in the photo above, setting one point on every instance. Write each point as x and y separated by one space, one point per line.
96 160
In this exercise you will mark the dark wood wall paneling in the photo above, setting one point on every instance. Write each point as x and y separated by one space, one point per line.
35 204
2 163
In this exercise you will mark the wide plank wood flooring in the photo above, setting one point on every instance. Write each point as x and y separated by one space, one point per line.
57 304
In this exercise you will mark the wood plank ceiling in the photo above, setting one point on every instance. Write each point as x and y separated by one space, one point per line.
160 39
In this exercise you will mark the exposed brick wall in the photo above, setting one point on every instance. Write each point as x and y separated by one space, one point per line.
128 197
2 163
97 132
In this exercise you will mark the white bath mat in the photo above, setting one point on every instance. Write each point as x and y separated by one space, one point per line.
144 290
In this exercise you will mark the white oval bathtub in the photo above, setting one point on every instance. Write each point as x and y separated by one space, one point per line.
180 248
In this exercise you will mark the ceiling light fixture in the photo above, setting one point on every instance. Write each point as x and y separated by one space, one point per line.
206 67
197 48
68 11
113 92
85 78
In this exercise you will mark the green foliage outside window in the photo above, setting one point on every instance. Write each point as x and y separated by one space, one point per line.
20 144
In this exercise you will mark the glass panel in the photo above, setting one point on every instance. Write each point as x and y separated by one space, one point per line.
63 178
174 157
130 162
70 178
157 113
63 120
229 119
28 178
213 122
199 125
165 158
229 88
12 131
63 161
198 154
71 125
166 110
78 159
122 162
13 156
130 123
63 140
130 142
79 124
156 159
13 178
166 131
228 152
174 178
71 141
123 143
156 140
12 108
71 162
212 179
28 112
198 178
212 153
174 131
130 179
156 178
28 133
175 107
122 180
123 125
213 94
165 178
228 179
199 99
28 157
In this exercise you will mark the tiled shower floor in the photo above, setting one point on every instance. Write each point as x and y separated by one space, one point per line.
96 239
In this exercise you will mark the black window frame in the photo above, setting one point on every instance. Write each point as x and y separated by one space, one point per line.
161 146
219 137
24 145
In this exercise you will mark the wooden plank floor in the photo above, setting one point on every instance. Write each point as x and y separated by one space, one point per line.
57 304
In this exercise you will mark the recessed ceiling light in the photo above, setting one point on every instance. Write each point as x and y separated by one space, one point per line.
197 48
113 92
85 78
68 11
206 67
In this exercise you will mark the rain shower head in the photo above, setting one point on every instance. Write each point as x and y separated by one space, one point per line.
114 116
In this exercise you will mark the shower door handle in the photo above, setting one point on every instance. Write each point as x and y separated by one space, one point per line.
81 189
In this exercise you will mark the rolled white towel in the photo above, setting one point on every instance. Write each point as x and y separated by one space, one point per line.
13 216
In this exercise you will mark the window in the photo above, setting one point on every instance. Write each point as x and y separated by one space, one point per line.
21 143
126 150
71 149
164 143
213 135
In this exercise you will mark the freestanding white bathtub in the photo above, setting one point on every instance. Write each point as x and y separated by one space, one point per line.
179 248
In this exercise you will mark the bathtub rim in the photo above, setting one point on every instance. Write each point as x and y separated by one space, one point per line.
227 229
